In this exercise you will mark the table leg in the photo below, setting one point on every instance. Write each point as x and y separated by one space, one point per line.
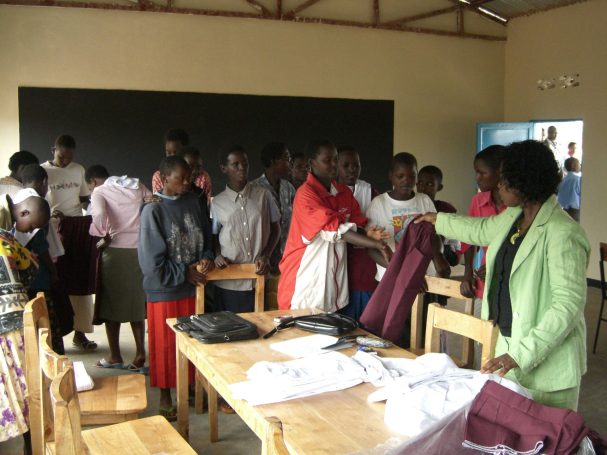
213 425
183 425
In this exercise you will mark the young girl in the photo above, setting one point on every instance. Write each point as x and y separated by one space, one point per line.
361 268
17 267
174 238
485 203
395 209
115 207
325 217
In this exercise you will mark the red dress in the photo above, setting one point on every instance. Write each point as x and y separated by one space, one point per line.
161 341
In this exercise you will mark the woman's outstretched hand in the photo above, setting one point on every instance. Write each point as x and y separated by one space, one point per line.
429 217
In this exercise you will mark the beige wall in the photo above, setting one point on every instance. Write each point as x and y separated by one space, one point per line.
564 41
441 86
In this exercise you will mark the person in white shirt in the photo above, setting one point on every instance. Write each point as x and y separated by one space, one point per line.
395 209
555 146
67 192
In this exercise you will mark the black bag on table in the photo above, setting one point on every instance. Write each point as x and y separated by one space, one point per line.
219 327
335 324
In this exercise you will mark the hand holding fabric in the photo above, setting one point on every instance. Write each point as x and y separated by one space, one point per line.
501 364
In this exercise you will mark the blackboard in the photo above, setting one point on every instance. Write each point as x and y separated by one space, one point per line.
123 129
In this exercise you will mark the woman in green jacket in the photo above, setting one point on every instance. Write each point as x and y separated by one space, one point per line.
536 274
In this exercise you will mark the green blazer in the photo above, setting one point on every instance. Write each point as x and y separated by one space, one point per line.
547 291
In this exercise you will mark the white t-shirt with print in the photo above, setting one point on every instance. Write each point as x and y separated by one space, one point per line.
395 216
65 186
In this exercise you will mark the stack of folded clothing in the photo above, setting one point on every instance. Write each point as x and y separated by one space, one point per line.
504 422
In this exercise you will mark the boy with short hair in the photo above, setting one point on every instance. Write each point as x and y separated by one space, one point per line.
245 230
430 182
395 209
300 168
570 189
275 159
13 182
68 192
176 142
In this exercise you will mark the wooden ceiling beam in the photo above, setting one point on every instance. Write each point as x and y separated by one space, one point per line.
259 7
300 8
417 17
157 8
376 12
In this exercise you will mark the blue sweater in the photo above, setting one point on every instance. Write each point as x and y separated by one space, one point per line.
174 234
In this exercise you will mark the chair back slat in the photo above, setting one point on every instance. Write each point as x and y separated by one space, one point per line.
234 272
462 324
68 437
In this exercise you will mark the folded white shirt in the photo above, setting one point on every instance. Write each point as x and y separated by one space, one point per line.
273 382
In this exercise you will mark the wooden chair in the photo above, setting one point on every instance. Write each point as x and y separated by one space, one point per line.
462 324
231 272
450 289
152 435
114 399
602 259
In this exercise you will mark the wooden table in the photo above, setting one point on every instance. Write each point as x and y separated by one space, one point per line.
329 423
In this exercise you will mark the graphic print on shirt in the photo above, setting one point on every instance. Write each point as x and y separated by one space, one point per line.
184 245
401 217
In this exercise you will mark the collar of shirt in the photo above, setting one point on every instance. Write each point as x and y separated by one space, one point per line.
168 198
336 188
485 199
234 195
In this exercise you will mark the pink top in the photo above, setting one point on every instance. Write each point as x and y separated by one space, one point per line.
115 210
482 205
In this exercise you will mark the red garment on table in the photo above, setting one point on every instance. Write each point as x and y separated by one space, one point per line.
161 341
500 416
390 304
316 210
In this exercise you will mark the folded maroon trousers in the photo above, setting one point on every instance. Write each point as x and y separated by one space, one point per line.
500 419
390 304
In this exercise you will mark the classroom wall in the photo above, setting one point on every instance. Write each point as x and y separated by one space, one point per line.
565 41
442 86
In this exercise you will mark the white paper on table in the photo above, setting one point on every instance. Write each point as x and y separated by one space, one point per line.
304 346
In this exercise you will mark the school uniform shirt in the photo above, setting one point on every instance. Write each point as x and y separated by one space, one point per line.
570 191
363 193
395 216
65 187
242 222
313 267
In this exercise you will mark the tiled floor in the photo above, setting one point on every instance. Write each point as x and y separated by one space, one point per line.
236 438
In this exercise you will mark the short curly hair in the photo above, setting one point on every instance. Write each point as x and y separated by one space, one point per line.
530 168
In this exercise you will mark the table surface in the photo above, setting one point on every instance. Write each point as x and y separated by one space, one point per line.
332 423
